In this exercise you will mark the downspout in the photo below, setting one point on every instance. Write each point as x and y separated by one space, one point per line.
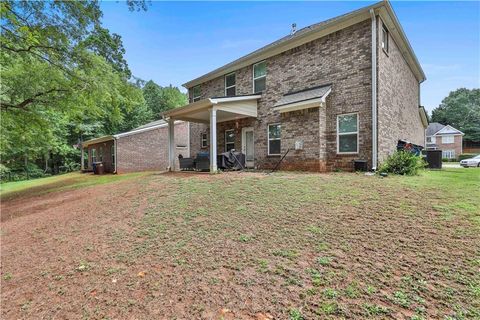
374 91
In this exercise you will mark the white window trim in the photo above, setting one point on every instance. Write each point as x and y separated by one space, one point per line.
196 98
449 154
264 76
385 43
227 131
203 140
452 138
234 86
347 133
268 139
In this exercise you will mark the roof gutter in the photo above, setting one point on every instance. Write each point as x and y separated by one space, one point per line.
374 91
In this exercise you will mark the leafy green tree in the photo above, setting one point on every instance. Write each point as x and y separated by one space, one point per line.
160 99
60 67
461 110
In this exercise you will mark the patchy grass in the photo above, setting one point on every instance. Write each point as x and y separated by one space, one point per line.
59 183
245 245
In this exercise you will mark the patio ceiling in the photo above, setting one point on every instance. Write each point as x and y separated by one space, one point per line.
227 108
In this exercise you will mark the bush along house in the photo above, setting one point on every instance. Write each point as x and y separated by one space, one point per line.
344 89
142 149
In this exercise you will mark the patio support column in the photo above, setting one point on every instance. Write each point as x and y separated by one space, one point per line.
213 140
82 151
171 144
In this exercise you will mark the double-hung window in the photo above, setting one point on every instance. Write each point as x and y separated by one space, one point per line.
230 89
274 139
196 93
385 39
347 133
229 140
94 155
259 77
448 139
204 140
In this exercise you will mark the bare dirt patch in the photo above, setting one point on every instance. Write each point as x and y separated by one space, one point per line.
239 246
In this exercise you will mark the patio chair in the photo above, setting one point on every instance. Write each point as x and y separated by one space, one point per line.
186 164
202 162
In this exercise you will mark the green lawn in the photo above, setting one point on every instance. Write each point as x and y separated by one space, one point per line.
246 246
59 183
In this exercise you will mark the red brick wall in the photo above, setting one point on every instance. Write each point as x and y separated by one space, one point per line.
456 145
398 100
341 58
148 150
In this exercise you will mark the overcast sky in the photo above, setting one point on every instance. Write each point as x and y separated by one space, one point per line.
174 42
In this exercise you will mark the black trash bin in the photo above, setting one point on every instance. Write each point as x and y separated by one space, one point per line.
434 159
94 167
360 165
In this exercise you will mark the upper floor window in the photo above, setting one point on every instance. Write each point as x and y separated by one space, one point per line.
259 76
196 93
274 139
229 140
448 139
431 139
385 39
347 133
230 85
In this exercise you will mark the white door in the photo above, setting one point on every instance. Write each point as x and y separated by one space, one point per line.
247 146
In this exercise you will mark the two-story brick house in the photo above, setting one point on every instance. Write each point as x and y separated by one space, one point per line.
445 138
343 89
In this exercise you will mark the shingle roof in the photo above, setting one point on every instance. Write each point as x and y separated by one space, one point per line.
304 32
303 95
151 124
433 128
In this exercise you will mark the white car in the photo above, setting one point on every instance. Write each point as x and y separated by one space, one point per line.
471 162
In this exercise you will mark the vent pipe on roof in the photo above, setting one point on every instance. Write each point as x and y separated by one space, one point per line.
294 29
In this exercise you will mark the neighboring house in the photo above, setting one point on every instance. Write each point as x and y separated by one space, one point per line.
142 149
445 138
343 89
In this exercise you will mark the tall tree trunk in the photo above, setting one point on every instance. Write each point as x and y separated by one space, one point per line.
26 166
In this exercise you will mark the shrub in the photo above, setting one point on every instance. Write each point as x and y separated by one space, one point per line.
403 163
464 156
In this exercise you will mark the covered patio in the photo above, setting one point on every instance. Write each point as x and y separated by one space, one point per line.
210 111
